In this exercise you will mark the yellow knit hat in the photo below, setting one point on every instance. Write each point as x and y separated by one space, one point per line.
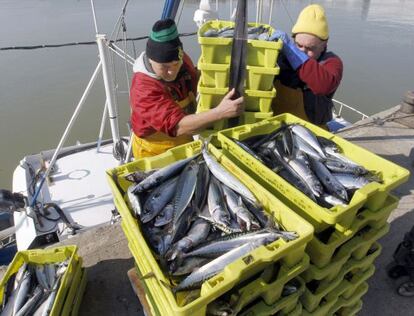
312 20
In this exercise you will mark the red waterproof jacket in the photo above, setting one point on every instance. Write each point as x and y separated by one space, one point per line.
154 101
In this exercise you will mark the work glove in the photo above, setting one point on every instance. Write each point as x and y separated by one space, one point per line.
293 54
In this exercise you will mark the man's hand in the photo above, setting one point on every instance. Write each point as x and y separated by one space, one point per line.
293 54
230 108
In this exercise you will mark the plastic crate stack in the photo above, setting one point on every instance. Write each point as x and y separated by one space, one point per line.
73 282
345 244
214 65
252 285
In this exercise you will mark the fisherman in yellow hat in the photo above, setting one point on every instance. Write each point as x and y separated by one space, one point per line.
309 74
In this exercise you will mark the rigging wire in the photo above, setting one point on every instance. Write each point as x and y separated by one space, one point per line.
30 47
287 12
181 11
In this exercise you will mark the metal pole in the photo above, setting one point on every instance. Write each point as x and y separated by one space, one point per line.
109 91
94 17
101 130
66 133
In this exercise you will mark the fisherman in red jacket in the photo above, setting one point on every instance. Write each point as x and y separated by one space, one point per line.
163 93
309 74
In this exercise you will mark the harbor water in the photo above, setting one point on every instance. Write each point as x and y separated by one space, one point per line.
39 89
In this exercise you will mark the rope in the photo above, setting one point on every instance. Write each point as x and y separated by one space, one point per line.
139 38
181 12
287 12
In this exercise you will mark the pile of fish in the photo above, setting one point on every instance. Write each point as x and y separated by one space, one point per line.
260 32
313 164
198 218
32 290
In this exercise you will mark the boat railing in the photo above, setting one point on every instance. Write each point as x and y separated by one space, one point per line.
341 106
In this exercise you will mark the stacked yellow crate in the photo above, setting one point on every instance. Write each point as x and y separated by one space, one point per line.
255 281
72 285
214 65
344 245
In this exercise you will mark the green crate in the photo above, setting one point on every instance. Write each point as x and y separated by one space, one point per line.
342 302
217 50
296 311
323 309
75 293
321 253
288 253
350 310
268 291
79 294
329 272
245 118
287 305
311 299
43 256
372 196
217 76
254 100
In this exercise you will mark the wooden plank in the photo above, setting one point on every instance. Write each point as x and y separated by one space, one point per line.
139 290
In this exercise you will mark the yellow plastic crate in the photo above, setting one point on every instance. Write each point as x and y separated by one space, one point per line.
322 310
284 306
254 100
75 293
342 302
350 310
321 252
245 118
372 196
330 272
288 253
312 298
217 76
217 50
43 256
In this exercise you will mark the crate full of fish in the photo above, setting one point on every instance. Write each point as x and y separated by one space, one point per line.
245 118
215 38
254 100
323 177
217 76
202 231
37 282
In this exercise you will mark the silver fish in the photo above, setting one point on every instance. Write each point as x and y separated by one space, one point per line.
340 166
187 265
306 148
185 189
331 200
308 137
165 216
238 209
157 199
161 175
351 181
226 177
216 206
332 185
222 227
28 307
23 290
301 168
222 245
134 201
198 232
196 278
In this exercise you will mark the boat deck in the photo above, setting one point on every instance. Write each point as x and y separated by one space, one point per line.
107 257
